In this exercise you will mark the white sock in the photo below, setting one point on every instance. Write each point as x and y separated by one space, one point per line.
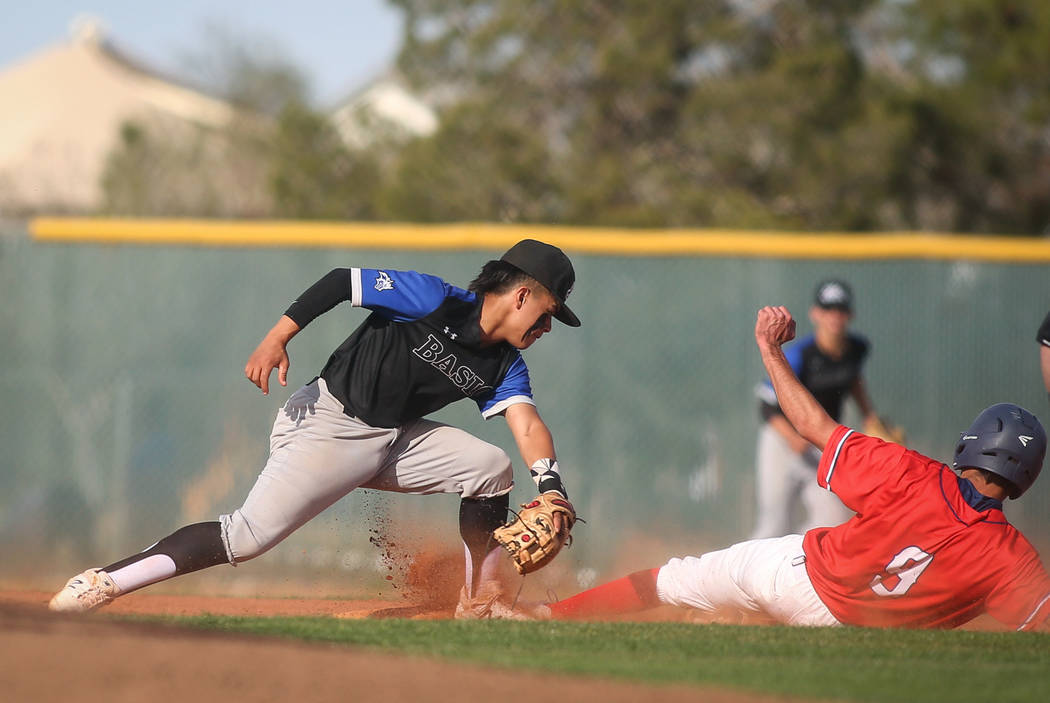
487 571
143 572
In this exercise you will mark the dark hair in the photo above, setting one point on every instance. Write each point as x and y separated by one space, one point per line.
991 477
498 277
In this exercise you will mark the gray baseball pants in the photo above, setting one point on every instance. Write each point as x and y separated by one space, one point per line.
318 454
785 479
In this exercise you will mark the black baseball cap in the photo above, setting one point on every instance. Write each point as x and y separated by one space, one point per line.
834 294
549 266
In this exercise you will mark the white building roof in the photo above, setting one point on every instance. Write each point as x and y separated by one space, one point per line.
383 107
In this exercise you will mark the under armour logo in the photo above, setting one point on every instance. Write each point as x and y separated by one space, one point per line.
384 282
1025 439
451 334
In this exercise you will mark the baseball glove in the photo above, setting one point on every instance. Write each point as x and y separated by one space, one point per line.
883 429
530 538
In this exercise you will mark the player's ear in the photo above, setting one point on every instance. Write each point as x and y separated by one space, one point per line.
520 296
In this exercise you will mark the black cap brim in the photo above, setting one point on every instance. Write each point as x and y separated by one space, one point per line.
566 316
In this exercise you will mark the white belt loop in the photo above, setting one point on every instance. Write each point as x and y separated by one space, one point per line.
799 560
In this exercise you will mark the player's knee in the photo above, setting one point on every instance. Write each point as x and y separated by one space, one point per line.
244 539
489 469
487 457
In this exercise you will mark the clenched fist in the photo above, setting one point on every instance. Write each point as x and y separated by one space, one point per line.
774 327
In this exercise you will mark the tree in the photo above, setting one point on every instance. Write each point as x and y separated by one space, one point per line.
275 156
313 174
660 114
253 72
830 114
981 105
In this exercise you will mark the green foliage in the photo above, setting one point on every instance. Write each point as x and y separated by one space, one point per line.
980 97
822 115
849 664
471 171
312 172
276 156
796 114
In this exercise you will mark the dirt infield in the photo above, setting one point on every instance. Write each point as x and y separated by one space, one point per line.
44 657
160 604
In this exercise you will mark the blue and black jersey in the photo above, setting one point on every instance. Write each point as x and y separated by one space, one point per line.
828 379
419 350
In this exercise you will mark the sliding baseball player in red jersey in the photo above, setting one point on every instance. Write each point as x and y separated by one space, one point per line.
927 548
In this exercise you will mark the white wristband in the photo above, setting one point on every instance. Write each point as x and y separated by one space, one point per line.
547 475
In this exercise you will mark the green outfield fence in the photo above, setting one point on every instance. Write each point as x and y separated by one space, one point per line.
126 413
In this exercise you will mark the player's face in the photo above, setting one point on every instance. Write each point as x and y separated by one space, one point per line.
831 321
532 317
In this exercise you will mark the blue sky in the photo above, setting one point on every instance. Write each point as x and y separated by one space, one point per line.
338 45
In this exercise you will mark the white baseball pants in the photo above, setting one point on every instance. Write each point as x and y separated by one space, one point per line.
764 579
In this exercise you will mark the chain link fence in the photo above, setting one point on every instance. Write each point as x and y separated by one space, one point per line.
126 413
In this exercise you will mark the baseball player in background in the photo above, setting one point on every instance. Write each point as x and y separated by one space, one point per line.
928 547
828 362
360 423
1043 337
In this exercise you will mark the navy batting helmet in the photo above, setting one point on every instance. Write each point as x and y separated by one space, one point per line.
1007 440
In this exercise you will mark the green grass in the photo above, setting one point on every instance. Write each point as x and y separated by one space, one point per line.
842 663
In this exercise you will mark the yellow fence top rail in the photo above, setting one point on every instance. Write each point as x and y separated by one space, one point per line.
601 241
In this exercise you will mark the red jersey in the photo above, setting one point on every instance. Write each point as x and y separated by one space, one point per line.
917 554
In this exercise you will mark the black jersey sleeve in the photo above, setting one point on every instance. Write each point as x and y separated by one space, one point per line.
332 289
1043 335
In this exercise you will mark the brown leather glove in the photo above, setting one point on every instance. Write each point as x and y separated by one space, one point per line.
531 538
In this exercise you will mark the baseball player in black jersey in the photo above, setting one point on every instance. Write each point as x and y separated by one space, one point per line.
1043 337
828 362
361 422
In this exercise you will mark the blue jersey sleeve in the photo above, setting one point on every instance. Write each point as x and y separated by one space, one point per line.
515 388
401 296
793 353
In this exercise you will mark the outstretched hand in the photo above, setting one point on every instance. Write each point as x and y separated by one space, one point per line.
271 354
774 327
